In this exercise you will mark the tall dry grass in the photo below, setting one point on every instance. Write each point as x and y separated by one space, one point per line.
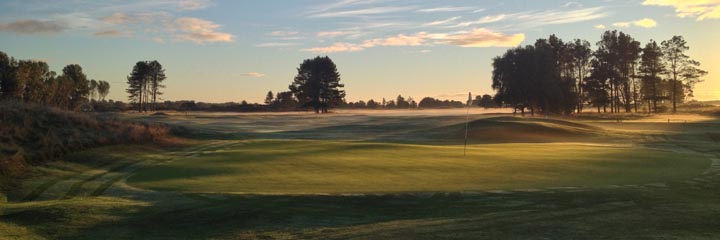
33 134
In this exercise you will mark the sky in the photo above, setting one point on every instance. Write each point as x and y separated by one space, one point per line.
234 50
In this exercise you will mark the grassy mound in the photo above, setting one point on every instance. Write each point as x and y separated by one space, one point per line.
34 134
518 130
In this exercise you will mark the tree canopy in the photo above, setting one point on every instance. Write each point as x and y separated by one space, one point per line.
317 84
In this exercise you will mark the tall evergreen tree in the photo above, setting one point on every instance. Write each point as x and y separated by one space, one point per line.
651 69
317 84
155 78
137 80
683 72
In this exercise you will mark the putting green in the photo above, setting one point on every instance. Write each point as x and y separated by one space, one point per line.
310 167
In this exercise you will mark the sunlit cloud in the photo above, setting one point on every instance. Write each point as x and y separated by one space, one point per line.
253 75
699 9
644 23
30 26
337 47
600 26
479 37
482 37
199 31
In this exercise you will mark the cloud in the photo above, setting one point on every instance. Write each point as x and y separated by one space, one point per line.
573 5
199 31
253 75
190 5
479 37
360 12
559 17
30 26
337 47
699 9
445 9
482 20
159 40
442 22
336 33
482 37
398 40
644 23
275 44
283 33
600 26
110 33
119 18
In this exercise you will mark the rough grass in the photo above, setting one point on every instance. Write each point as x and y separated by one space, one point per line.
312 167
33 134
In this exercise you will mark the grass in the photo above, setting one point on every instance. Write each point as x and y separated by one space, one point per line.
416 183
307 167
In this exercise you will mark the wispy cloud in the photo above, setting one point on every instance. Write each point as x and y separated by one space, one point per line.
560 17
479 37
573 5
283 33
443 22
445 9
111 33
276 44
360 12
600 26
482 37
699 9
644 23
30 26
253 75
336 33
482 20
194 4
199 31
337 47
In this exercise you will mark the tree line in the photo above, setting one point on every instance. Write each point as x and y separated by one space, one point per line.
32 81
552 76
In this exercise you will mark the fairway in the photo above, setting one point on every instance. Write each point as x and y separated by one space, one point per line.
330 167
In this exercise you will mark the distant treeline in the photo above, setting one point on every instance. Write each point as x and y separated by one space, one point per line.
485 101
31 81
552 76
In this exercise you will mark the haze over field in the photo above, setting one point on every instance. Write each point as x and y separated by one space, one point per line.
222 51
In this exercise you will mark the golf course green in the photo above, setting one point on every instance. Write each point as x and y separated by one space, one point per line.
318 167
